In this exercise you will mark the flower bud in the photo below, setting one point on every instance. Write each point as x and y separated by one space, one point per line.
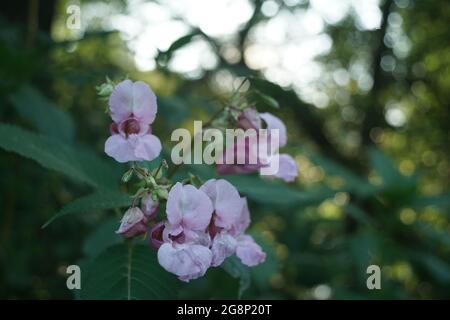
133 223
149 206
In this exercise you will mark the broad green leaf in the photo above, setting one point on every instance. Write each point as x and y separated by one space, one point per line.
441 201
128 272
276 193
364 247
438 268
440 235
76 163
100 200
384 167
237 270
103 237
358 214
353 182
42 113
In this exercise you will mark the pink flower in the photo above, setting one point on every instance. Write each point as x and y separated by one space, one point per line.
149 206
251 119
203 227
226 201
187 261
182 239
188 208
133 223
248 251
133 108
243 148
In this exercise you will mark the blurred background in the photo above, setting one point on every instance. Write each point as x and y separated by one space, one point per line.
364 89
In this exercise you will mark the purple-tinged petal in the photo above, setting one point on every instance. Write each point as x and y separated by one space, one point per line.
223 246
249 252
272 123
187 261
135 99
287 168
244 220
240 150
226 201
148 147
156 235
189 207
120 149
133 223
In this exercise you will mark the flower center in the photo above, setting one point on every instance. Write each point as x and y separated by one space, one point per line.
130 126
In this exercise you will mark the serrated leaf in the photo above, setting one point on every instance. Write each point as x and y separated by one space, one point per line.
42 113
76 163
100 200
237 270
127 271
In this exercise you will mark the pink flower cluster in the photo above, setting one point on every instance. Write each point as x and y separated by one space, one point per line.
251 119
204 226
133 108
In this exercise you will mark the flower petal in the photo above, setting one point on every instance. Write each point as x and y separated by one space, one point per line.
287 168
249 252
189 207
148 147
226 201
120 148
187 261
275 123
244 220
135 98
133 223
223 246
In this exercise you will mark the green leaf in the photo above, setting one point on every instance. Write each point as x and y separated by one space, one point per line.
441 201
237 270
127 271
42 113
276 193
76 163
438 268
353 182
384 167
358 214
266 99
100 200
165 56
102 238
